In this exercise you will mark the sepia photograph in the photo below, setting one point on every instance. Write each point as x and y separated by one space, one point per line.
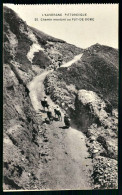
60 97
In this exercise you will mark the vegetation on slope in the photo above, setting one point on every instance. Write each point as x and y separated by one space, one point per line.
93 72
88 92
55 48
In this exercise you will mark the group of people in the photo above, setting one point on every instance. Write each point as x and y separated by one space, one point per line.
57 112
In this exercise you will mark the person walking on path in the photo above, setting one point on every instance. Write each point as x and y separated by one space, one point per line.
66 120
59 61
58 113
45 100
44 103
49 114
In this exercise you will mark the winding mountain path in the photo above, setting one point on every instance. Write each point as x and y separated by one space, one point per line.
69 165
75 59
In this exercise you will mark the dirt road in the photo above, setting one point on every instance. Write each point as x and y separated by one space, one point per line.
68 165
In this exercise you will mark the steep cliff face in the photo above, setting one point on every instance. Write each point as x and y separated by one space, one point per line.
26 54
20 129
20 150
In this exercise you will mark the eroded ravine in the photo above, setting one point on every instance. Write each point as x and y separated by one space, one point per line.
69 166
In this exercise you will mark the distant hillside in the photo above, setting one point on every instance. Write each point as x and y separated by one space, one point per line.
108 53
44 37
96 71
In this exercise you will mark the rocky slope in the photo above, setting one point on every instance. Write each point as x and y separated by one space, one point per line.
97 70
88 92
26 53
55 49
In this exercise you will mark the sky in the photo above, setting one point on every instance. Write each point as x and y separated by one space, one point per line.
103 30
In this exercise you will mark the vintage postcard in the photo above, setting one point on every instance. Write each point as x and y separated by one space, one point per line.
60 76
